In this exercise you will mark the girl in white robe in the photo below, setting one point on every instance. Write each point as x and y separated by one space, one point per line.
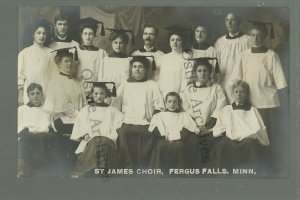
172 75
116 64
169 127
229 48
243 130
90 57
35 63
138 99
96 128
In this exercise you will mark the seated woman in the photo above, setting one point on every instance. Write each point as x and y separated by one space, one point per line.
116 64
203 100
96 129
169 127
243 130
34 132
138 99
65 98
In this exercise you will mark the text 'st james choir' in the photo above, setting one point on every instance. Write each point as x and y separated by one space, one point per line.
199 106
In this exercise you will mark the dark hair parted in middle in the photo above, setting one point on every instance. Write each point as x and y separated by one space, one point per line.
58 57
205 63
123 36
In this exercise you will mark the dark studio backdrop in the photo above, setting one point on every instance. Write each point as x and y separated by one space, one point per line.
133 18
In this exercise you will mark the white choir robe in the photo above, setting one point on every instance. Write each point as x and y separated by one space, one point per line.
96 121
157 55
170 124
229 50
210 52
138 100
263 72
240 124
60 45
203 103
172 77
88 66
114 70
35 65
33 118
65 98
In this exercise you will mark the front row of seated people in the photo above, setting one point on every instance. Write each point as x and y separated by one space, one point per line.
140 129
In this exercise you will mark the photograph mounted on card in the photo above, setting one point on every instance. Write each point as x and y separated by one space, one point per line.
142 91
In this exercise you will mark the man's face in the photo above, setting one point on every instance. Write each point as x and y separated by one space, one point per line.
61 28
232 23
149 36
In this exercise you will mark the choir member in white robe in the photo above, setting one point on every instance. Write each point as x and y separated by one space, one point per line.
203 100
168 127
35 128
242 130
35 63
90 57
201 48
65 98
116 64
172 77
96 128
138 99
229 48
150 35
61 39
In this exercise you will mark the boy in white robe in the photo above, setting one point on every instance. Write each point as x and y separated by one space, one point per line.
243 130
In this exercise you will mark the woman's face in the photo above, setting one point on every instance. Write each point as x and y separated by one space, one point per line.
65 65
175 42
87 36
138 70
203 74
240 94
232 23
99 94
35 97
117 45
39 36
200 34
172 103
257 37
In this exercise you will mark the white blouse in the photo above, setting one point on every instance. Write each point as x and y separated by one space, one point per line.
203 103
229 50
170 124
240 124
138 100
96 121
263 72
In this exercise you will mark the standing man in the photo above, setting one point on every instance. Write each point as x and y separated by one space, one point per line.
229 48
61 39
150 34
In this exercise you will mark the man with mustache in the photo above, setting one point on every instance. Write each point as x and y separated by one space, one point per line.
150 34
61 39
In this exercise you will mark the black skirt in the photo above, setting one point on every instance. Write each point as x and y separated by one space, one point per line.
135 144
100 152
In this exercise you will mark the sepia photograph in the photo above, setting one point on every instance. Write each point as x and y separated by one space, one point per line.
143 91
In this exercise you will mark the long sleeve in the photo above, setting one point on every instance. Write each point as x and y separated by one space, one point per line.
81 125
278 74
21 74
221 101
158 100
118 100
